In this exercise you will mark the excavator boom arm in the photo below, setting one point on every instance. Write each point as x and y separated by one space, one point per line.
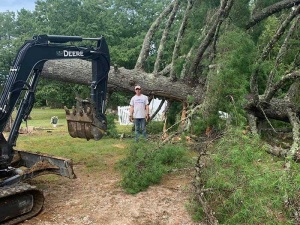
25 72
19 201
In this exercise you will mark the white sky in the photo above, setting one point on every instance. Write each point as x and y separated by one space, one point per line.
16 5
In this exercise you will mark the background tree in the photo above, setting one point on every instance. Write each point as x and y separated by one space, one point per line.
122 22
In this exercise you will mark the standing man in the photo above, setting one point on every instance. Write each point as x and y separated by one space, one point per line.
139 112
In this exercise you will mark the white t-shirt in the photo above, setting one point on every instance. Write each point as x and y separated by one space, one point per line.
139 106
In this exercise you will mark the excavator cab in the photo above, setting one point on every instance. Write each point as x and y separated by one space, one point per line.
20 201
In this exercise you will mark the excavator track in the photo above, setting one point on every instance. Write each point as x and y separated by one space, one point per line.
19 202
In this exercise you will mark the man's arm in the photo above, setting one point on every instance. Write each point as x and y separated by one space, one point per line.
131 110
147 113
131 113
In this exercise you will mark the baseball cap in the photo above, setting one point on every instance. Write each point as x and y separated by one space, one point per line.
137 87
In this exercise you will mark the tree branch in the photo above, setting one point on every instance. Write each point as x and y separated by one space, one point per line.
293 117
280 31
270 10
282 51
147 40
295 122
165 71
293 93
157 110
222 13
287 78
164 37
180 37
214 44
184 71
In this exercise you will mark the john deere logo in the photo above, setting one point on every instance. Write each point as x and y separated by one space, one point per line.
59 53
72 53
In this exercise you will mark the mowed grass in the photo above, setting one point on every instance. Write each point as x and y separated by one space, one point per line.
56 141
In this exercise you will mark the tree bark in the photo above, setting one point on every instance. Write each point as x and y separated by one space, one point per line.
265 53
270 10
163 39
276 109
121 79
144 53
180 35
281 53
220 16
294 120
283 81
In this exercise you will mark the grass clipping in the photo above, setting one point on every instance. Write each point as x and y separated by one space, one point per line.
242 184
145 165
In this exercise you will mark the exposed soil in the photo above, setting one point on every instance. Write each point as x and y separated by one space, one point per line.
97 198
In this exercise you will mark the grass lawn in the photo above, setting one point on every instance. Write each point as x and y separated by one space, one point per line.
56 140
104 155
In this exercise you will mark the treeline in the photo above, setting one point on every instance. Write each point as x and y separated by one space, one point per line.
122 23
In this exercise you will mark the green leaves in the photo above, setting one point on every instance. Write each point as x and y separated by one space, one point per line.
231 83
144 166
248 185
57 94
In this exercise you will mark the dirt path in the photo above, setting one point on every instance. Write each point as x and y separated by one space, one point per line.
98 199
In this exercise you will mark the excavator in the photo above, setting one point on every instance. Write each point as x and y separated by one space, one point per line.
20 201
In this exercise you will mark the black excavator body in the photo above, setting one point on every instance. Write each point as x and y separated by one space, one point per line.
20 201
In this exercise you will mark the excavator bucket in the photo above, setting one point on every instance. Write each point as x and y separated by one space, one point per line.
83 122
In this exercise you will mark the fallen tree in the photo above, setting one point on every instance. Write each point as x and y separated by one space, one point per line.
192 63
198 62
122 79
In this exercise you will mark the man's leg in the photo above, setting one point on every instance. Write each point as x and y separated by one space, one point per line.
143 128
137 127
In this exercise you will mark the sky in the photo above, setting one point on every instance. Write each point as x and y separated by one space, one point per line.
16 5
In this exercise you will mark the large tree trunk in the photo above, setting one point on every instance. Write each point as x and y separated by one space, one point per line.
121 79
276 109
